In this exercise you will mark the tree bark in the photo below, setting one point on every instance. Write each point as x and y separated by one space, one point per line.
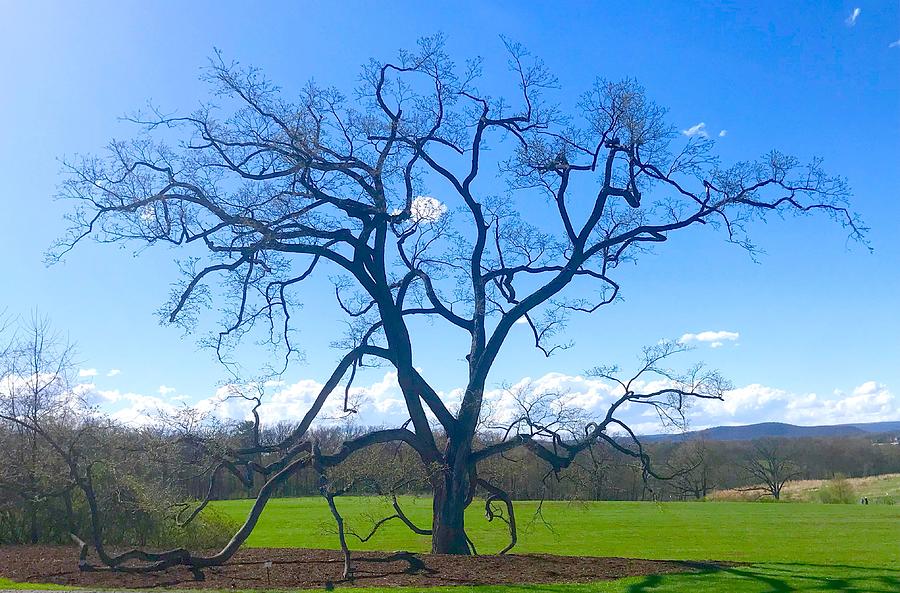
448 525
451 497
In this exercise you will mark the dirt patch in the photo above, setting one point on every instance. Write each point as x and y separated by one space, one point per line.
300 568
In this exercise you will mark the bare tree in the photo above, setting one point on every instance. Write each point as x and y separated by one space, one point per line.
264 192
36 366
692 466
771 466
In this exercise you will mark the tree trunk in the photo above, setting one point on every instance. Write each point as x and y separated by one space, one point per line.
70 512
33 532
451 493
448 523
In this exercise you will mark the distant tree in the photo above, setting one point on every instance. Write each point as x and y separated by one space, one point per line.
36 370
770 465
693 466
388 193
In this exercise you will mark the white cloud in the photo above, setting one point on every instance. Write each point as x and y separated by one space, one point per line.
381 403
869 402
850 21
723 133
697 130
425 209
894 44
165 390
87 373
742 403
521 321
126 407
113 372
107 395
143 409
715 339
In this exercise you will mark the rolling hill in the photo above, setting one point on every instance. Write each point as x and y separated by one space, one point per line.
779 429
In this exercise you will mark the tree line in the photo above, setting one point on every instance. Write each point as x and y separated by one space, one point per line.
686 469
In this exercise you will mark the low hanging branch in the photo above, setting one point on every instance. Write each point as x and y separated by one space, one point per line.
398 514
329 495
494 494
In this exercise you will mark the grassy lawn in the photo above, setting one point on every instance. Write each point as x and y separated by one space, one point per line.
746 532
793 546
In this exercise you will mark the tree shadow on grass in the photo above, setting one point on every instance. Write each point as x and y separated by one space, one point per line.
775 578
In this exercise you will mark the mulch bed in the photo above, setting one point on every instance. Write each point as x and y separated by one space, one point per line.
301 568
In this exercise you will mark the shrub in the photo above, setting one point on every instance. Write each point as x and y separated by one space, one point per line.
837 490
211 529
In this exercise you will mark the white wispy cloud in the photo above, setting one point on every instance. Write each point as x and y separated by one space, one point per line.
113 372
894 44
723 133
87 372
715 339
165 390
697 130
850 21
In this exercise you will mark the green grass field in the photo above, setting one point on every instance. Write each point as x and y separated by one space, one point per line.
792 546
746 532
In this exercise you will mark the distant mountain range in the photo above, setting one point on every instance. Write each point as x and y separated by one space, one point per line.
778 429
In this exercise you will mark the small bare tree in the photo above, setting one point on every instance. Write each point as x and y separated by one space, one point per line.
36 369
770 465
692 467
264 192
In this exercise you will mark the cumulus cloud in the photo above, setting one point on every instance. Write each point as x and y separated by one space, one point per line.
378 403
126 407
576 392
715 339
381 402
869 402
87 373
142 409
166 390
697 130
113 372
850 21
425 209
723 133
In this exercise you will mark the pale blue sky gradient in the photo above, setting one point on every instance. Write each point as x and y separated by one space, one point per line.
815 315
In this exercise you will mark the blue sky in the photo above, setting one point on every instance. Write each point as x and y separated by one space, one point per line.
816 316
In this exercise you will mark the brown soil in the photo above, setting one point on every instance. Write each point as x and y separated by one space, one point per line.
300 568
